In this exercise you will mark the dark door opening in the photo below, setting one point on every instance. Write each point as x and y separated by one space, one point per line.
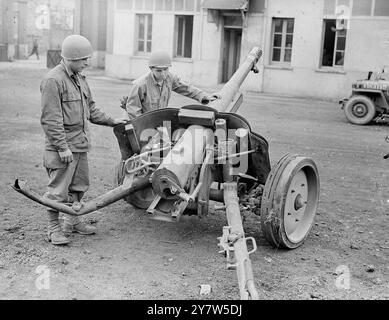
328 44
231 52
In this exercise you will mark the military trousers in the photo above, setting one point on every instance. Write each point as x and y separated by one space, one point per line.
67 181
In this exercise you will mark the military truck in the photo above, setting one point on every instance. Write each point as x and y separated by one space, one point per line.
369 100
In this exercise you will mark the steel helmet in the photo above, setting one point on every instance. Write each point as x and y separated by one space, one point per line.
160 59
76 47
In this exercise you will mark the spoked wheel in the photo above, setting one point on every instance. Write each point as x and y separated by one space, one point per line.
289 201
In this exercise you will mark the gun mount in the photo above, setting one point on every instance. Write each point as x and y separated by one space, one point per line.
173 161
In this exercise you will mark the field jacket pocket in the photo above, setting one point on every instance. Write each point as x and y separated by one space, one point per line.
52 160
72 108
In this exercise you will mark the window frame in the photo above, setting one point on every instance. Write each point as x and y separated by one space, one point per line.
176 55
144 39
282 48
335 50
337 36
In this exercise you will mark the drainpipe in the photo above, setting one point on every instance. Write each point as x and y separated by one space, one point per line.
201 30
264 41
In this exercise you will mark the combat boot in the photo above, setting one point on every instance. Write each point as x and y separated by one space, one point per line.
73 224
54 232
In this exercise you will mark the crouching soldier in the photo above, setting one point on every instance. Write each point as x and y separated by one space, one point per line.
67 106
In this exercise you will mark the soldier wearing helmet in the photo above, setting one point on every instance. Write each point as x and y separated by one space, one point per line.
153 90
67 107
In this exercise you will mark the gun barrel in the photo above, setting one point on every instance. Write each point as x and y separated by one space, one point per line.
231 88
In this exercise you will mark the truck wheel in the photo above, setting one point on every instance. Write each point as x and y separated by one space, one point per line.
289 201
359 110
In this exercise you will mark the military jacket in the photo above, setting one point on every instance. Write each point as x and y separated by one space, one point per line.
67 106
146 94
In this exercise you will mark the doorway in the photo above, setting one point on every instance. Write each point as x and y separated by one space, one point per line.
231 47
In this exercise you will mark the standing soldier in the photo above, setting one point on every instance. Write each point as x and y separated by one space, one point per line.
153 90
67 105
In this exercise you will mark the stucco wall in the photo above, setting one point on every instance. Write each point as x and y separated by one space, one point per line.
365 50
300 78
207 61
124 62
252 36
203 69
367 44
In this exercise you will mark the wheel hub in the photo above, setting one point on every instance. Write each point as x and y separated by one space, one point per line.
299 202
360 110
296 218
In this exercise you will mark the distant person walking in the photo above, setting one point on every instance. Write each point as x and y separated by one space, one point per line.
34 49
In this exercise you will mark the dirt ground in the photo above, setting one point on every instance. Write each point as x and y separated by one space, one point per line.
133 257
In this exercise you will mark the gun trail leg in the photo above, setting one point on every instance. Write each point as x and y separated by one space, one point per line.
236 243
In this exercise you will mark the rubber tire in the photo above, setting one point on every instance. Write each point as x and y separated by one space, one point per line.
274 198
367 102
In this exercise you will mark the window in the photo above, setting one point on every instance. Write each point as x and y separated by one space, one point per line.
198 5
334 44
179 5
149 4
124 4
381 8
282 40
189 5
139 4
169 5
346 3
183 36
362 8
329 6
159 5
144 25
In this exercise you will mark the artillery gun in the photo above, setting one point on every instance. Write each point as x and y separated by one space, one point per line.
175 160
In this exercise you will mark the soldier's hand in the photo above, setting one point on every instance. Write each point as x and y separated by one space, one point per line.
123 102
119 121
66 156
211 97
